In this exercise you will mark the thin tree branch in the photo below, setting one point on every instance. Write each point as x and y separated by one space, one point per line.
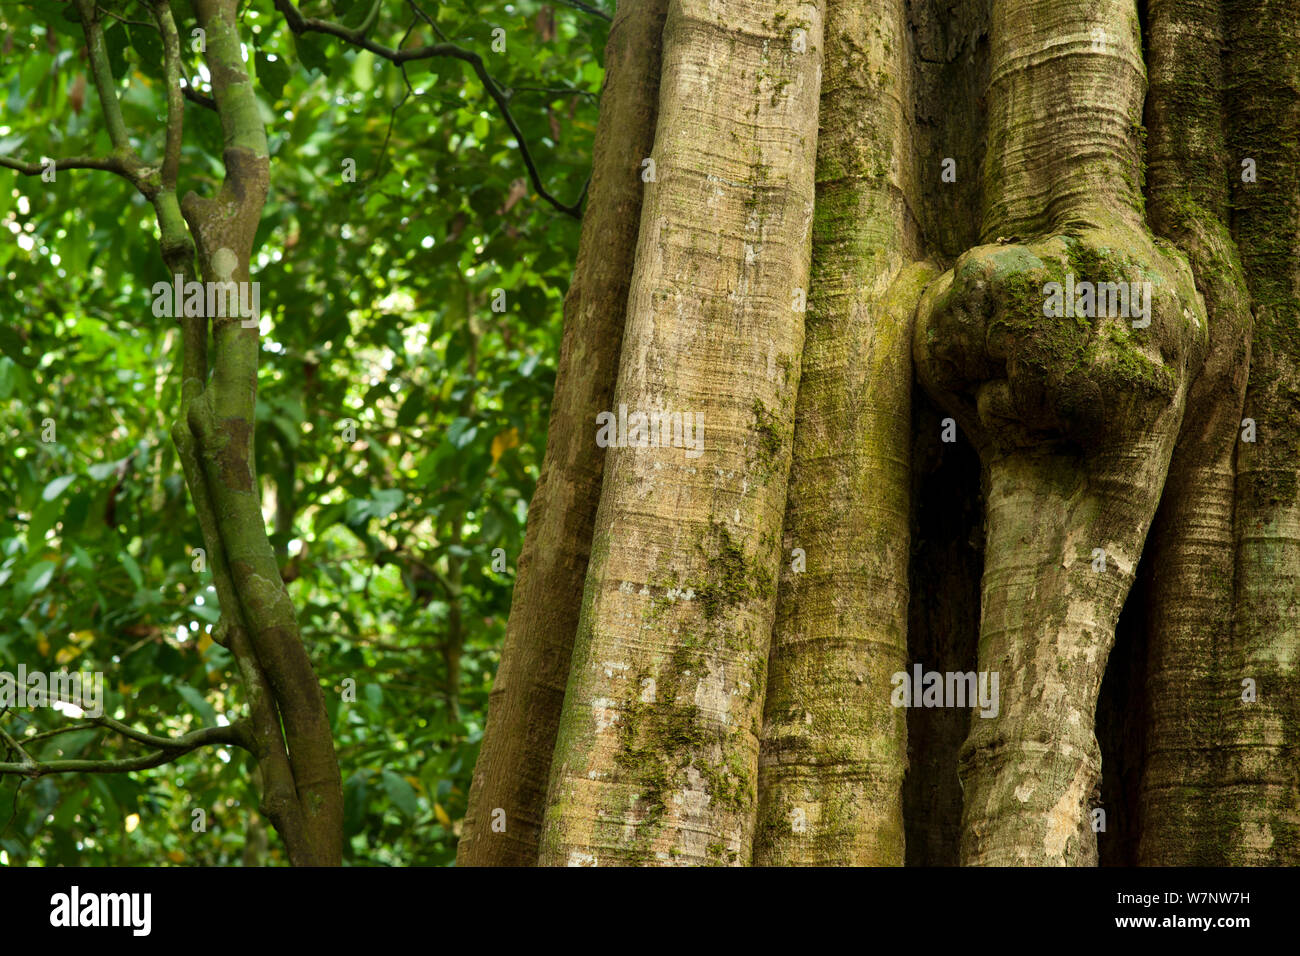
554 91
162 12
27 760
300 24
103 74
233 735
121 19
202 99
111 164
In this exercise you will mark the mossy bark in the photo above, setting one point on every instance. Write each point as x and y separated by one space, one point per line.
1083 427
658 746
290 731
1190 553
1075 418
1260 786
834 750
524 709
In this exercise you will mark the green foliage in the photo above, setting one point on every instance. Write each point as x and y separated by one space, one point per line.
377 294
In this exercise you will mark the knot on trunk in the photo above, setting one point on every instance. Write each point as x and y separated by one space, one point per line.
1081 339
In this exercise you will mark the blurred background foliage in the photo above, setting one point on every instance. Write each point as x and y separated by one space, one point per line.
378 303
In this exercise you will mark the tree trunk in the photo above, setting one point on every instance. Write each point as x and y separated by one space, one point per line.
507 795
834 751
1189 614
1103 435
658 743
1260 781
290 731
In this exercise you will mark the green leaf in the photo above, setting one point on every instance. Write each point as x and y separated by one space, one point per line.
205 612
402 794
354 802
363 71
148 48
195 700
13 345
385 502
461 432
36 580
273 74
132 569
57 487
311 53
43 519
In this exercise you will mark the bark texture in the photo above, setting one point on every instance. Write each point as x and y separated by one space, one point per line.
1188 611
1075 417
658 744
524 709
1260 742
834 750
729 690
290 731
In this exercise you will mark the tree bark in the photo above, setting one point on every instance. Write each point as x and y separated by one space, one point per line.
1075 418
524 709
291 736
1091 430
1189 612
834 750
1260 795
658 745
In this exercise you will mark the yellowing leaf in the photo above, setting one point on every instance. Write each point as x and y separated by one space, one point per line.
441 814
43 647
176 856
66 654
505 440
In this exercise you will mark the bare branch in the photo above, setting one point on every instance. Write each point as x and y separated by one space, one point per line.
103 74
235 735
579 5
202 99
300 24
109 164
162 12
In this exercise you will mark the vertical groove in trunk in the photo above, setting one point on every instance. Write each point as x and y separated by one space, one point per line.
1121 720
834 750
943 626
1261 778
1189 609
950 69
658 744
950 78
524 708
